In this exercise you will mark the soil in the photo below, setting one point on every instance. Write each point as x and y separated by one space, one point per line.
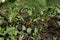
52 30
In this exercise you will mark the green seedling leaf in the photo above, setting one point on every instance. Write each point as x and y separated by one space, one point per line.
30 21
12 37
7 39
8 30
35 30
12 16
59 23
1 39
29 30
23 27
21 37
54 38
40 29
1 30
42 19
11 31
42 12
29 12
58 16
57 9
21 32
20 18
36 19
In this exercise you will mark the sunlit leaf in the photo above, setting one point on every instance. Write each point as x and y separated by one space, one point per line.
29 12
23 27
35 30
11 31
29 30
36 19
